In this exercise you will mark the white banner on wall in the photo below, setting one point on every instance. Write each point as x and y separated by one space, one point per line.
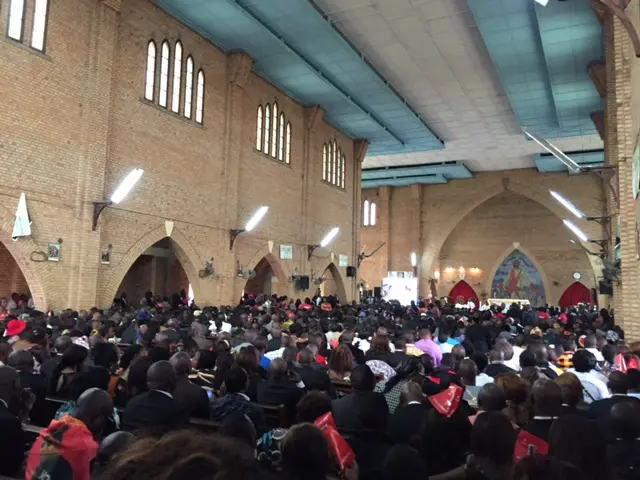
286 252
343 261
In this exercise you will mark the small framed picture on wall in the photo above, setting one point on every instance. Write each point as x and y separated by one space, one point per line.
53 252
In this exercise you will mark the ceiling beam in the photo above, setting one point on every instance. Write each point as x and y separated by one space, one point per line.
597 71
318 71
598 120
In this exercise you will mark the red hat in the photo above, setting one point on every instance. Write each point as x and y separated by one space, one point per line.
15 327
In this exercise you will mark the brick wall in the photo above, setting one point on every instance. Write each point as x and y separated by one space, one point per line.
474 223
76 118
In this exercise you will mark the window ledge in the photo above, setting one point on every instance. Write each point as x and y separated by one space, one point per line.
324 182
171 113
273 159
28 49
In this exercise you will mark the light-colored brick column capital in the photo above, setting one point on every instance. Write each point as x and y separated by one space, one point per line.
239 67
360 148
313 117
113 4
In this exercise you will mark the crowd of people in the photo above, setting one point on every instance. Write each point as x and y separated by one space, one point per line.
372 390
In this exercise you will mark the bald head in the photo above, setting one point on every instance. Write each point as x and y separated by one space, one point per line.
411 392
161 376
468 371
21 361
181 363
546 397
9 383
277 368
62 343
94 408
306 356
491 398
625 419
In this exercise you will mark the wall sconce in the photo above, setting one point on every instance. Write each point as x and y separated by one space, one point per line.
461 270
449 270
121 191
436 275
251 224
325 241
475 271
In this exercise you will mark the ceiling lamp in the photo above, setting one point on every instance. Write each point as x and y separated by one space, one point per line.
567 204
542 2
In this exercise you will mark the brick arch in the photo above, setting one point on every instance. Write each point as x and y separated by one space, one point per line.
438 237
273 262
337 276
21 250
185 253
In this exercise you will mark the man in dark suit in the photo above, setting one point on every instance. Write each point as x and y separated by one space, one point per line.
496 365
236 400
189 397
23 363
619 386
12 437
156 411
283 387
623 452
346 409
546 398
314 378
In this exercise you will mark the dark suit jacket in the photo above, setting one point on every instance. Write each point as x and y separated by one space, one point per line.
40 413
624 459
371 450
12 443
346 410
191 398
495 369
316 379
539 428
601 409
235 402
280 392
155 412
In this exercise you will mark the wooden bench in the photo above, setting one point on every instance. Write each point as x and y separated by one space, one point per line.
205 426
275 415
343 388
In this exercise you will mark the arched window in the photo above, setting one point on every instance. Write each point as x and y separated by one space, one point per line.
287 155
164 74
339 175
39 24
324 162
150 78
177 78
365 213
281 138
344 161
16 20
372 220
188 88
330 163
200 97
259 130
267 128
274 133
335 163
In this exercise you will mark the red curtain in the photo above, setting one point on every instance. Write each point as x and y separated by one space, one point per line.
464 290
576 293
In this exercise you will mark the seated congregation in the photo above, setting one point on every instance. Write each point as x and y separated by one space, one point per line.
275 388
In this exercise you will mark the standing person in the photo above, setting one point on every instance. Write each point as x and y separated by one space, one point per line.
546 399
619 386
492 443
12 437
428 346
66 448
624 452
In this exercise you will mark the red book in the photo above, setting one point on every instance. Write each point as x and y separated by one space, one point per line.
528 444
341 449
447 401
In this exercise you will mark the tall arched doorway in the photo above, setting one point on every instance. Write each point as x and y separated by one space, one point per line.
263 279
12 280
333 284
576 293
156 270
462 292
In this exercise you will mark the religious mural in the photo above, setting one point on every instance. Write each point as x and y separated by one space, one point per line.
518 278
